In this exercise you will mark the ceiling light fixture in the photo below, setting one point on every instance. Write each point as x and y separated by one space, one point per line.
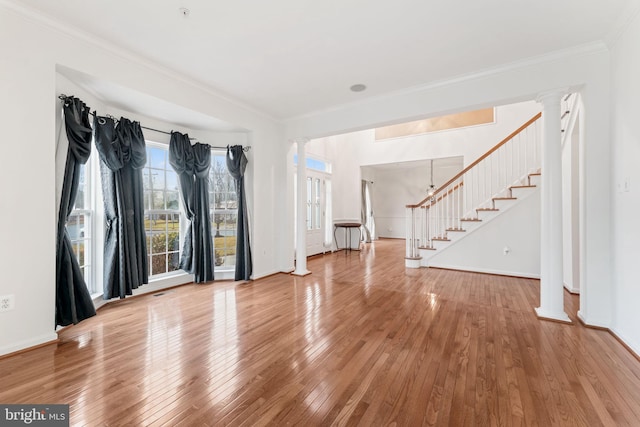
184 11
431 190
358 87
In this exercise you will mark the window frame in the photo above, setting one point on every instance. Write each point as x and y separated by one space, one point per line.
148 195
226 212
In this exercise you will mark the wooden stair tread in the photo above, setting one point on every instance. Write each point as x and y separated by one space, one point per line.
505 198
535 174
441 239
430 248
487 209
471 219
521 186
456 229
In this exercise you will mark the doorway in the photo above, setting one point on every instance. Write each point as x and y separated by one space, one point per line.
316 212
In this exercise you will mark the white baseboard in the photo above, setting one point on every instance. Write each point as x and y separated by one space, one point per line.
634 347
270 273
33 342
590 322
571 289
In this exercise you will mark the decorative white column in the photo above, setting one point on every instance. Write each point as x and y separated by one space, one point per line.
551 275
301 212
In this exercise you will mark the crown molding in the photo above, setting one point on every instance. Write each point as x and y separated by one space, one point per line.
123 52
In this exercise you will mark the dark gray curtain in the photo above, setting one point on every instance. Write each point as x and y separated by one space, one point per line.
192 164
366 234
236 164
122 156
73 302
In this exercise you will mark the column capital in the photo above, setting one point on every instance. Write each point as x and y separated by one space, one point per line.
553 95
301 140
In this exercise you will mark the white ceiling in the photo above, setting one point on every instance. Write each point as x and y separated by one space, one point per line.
292 57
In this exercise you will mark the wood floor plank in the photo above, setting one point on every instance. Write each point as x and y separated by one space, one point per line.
360 341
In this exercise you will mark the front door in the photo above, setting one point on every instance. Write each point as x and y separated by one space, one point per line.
315 212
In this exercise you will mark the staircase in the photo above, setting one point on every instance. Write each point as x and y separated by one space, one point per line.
489 186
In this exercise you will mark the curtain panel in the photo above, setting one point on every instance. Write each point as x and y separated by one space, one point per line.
73 301
366 213
366 233
236 164
192 164
122 151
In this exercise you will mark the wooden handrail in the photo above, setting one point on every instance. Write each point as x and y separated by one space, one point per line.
479 159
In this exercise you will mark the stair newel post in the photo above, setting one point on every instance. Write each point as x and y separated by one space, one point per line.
407 232
411 245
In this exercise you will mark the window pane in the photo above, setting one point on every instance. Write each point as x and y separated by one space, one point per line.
223 205
174 261
74 226
316 218
81 199
173 223
174 241
232 200
159 242
80 252
159 263
172 180
145 179
309 190
158 200
172 200
156 157
157 179
163 226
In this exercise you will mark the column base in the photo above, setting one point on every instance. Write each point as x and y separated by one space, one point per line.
554 316
301 273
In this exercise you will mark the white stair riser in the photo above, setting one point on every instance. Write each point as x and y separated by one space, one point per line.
521 192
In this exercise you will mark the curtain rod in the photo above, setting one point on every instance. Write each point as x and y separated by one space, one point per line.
64 97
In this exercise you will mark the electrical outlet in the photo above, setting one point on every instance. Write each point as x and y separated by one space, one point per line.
6 303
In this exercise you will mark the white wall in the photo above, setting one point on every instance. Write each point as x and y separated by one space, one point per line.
31 49
625 203
517 229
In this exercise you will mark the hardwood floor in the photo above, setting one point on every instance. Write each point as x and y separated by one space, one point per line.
361 341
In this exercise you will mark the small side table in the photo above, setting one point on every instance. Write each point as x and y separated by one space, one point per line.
347 232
